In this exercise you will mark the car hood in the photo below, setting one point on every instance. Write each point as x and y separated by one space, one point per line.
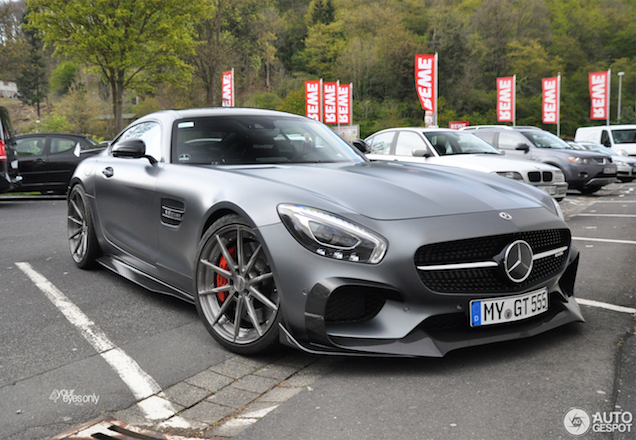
392 191
488 163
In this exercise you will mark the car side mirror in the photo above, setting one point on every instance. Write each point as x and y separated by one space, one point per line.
132 148
523 147
362 145
421 153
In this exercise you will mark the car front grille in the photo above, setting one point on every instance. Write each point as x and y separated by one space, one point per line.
453 279
540 176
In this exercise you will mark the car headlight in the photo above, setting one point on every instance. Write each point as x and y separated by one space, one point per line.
558 209
331 236
623 153
579 160
559 176
510 174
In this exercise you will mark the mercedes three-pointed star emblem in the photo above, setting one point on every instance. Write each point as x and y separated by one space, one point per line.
518 261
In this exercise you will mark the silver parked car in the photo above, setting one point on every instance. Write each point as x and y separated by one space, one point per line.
460 149
280 231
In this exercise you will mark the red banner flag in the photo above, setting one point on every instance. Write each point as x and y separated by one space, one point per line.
425 81
330 96
456 125
228 89
550 102
345 106
313 99
506 99
599 94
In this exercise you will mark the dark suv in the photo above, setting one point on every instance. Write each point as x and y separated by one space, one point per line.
9 174
585 171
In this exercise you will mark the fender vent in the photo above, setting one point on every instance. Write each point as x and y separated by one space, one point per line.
172 212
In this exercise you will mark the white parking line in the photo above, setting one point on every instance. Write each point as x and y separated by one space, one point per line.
138 381
608 215
602 305
604 240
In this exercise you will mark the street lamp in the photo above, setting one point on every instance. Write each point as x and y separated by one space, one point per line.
620 84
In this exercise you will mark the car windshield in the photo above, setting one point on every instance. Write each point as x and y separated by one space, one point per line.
627 136
257 140
599 149
544 139
450 142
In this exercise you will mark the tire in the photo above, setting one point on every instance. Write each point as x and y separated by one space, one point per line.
589 190
235 291
82 239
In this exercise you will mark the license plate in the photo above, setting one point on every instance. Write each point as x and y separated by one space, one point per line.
609 170
508 309
549 189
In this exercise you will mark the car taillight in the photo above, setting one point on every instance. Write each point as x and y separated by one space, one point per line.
3 151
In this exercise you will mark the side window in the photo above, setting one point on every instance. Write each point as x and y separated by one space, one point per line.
488 136
407 142
510 141
30 146
59 145
381 144
605 139
150 133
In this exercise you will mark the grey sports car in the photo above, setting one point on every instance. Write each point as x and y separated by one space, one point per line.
280 231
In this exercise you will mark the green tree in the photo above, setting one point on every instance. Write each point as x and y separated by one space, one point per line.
131 43
32 81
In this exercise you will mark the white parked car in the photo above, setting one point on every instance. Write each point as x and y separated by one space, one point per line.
443 146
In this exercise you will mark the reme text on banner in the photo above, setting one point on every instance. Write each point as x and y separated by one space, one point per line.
550 100
599 95
506 99
345 107
313 99
330 95
425 81
227 91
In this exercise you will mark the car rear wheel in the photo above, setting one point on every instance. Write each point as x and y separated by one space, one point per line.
236 295
82 240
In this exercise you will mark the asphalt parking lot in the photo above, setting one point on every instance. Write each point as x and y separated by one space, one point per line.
78 345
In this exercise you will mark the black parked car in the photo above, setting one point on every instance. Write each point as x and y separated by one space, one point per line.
47 160
585 171
9 174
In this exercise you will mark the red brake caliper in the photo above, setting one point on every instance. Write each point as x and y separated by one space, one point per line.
220 279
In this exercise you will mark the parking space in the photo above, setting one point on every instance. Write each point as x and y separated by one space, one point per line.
520 389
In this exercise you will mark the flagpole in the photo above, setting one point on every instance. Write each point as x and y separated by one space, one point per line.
609 88
559 104
514 99
233 91
435 122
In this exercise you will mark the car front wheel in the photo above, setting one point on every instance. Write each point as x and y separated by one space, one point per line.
82 240
236 295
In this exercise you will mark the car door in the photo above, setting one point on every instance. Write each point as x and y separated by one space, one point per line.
61 159
125 195
508 142
32 161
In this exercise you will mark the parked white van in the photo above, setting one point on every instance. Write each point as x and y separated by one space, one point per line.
620 138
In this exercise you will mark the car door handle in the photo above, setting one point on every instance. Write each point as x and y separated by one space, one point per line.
108 172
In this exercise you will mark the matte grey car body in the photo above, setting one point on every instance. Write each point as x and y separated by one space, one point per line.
281 237
584 171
